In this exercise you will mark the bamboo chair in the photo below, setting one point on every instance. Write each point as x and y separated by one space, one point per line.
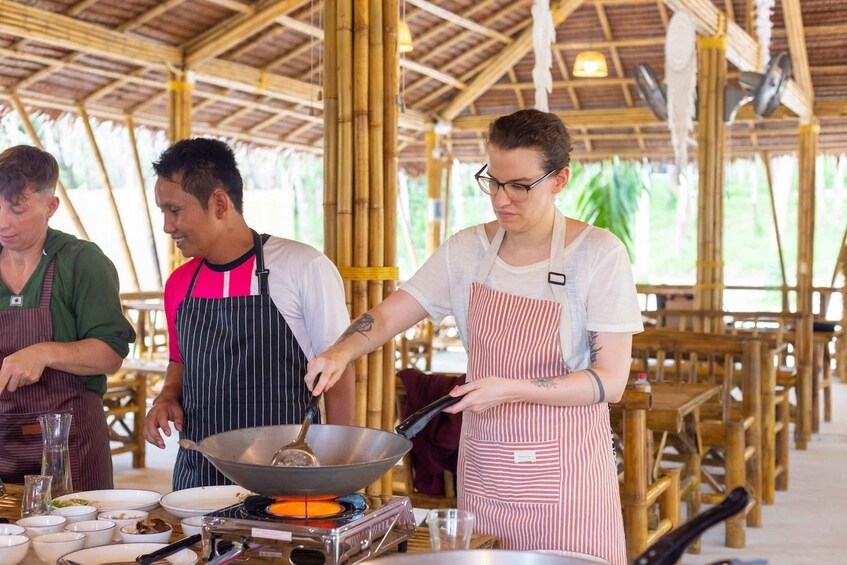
730 431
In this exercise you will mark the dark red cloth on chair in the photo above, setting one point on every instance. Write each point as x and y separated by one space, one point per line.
435 448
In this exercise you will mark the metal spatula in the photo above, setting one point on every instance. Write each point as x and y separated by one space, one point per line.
298 453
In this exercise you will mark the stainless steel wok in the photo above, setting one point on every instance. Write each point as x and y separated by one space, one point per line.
351 457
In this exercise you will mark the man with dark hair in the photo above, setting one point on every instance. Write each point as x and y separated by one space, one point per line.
244 315
61 326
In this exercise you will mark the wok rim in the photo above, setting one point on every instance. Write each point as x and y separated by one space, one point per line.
333 467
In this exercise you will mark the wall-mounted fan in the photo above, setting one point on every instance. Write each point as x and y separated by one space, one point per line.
763 89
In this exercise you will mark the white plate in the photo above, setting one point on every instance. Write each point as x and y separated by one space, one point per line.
118 499
202 500
126 552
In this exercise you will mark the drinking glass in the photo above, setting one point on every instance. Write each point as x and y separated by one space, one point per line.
450 528
56 458
37 497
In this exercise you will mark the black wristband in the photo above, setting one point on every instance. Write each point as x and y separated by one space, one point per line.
599 384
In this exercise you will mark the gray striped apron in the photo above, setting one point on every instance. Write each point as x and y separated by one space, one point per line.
55 392
243 368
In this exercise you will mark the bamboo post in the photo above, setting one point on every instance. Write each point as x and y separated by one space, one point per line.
344 217
434 201
766 160
390 163
635 406
768 425
130 127
63 193
330 116
711 137
107 185
807 153
179 128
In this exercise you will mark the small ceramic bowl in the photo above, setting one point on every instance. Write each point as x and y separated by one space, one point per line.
129 535
13 549
122 518
51 547
76 513
192 525
40 525
97 532
12 530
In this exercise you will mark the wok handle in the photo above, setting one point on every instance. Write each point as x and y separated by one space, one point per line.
670 548
148 558
410 427
312 409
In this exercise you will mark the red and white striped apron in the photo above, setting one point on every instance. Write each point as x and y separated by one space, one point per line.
536 476
56 392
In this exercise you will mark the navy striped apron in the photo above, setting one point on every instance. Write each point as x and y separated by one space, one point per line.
243 368
55 392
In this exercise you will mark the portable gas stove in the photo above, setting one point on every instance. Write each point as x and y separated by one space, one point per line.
345 530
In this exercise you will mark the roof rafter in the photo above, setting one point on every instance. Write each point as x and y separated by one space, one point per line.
504 61
236 29
460 21
797 46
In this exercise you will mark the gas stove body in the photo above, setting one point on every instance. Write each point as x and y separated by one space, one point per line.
369 526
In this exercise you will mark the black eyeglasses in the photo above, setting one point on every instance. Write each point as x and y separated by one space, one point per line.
516 191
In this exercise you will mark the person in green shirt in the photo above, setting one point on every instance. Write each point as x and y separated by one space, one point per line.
61 326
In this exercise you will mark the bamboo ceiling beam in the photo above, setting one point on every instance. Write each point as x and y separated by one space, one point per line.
793 17
503 61
69 33
235 30
521 101
741 50
455 19
255 81
483 6
144 104
80 7
267 122
233 5
611 43
240 113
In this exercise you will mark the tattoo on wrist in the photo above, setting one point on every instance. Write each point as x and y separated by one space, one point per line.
362 325
545 382
599 385
593 347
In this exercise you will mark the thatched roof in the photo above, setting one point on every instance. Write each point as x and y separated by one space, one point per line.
257 70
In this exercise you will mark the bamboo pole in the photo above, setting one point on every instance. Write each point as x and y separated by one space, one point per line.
179 128
60 187
390 163
807 153
107 185
766 160
711 134
435 203
130 127
330 116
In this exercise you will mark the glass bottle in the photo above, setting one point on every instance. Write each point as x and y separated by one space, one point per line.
56 457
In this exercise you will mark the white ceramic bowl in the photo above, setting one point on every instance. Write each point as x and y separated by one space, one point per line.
51 547
122 518
40 525
76 513
126 553
97 532
192 525
128 535
13 549
12 530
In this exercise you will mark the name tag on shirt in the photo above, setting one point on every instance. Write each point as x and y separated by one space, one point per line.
16 301
524 456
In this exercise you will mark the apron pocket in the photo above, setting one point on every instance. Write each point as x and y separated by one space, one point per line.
513 472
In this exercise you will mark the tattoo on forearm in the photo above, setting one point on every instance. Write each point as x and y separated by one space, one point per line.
545 382
593 347
362 325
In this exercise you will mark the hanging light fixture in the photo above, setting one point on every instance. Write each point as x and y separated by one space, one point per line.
590 64
404 37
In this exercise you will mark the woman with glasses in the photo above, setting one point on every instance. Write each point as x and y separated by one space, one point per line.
546 308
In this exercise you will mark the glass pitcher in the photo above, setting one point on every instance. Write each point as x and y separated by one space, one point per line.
56 458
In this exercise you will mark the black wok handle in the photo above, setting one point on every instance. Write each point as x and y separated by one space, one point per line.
670 548
410 427
312 409
148 558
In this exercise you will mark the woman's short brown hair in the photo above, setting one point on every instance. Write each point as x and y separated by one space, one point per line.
25 166
534 129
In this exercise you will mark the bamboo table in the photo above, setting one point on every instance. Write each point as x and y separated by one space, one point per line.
10 508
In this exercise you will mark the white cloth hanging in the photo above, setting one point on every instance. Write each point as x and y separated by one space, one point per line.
543 35
764 25
681 81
